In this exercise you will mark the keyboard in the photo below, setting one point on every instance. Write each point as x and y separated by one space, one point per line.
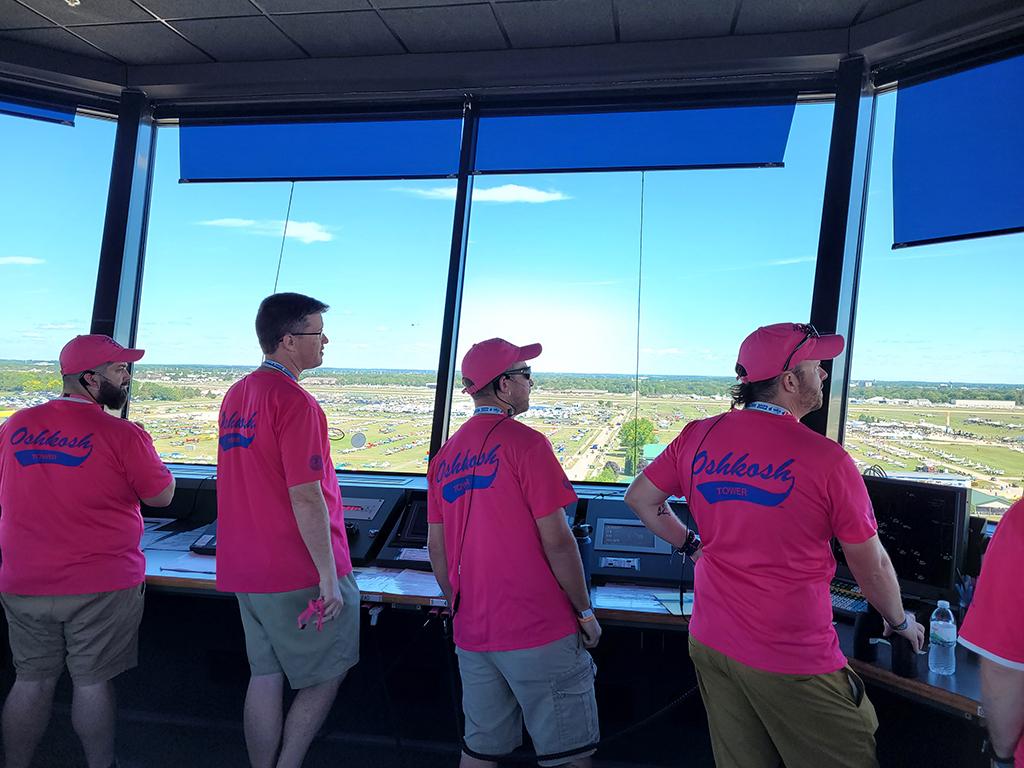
847 600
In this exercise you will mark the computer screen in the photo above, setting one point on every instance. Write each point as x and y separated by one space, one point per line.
631 536
923 527
414 525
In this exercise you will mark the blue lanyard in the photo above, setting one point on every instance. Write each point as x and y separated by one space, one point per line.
488 409
278 367
777 410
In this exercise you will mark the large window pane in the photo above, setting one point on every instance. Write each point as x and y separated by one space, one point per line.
53 193
938 362
375 251
641 286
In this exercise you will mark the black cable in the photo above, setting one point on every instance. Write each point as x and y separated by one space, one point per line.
650 718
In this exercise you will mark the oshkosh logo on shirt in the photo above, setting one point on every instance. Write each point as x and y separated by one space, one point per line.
459 486
751 481
40 448
235 438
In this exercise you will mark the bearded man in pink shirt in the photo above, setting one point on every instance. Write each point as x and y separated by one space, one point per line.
768 494
71 477
504 556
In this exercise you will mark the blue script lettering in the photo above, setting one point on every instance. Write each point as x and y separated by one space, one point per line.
724 489
22 436
465 463
235 421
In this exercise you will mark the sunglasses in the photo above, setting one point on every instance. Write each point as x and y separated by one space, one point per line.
809 332
525 372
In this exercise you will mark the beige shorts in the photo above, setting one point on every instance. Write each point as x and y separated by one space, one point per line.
275 644
551 687
96 635
759 719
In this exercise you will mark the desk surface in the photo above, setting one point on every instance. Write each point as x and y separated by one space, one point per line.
658 607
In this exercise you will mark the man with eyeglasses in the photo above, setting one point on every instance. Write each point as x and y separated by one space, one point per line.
768 494
507 562
281 544
72 573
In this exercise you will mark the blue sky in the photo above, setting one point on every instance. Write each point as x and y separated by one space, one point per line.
554 258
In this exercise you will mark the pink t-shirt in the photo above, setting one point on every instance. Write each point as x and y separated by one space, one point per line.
767 494
273 436
489 484
994 626
71 476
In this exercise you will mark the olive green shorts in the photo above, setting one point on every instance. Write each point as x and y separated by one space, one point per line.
551 687
96 635
759 719
275 644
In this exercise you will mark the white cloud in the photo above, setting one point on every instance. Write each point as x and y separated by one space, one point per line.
305 232
58 326
661 351
506 193
22 260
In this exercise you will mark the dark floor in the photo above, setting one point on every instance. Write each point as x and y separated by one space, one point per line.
183 705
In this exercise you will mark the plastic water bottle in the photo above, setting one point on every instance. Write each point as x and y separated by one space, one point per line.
942 641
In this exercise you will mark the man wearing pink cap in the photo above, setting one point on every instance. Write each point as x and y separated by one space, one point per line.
504 556
768 494
71 578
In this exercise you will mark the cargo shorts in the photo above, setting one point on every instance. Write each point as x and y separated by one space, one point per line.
550 687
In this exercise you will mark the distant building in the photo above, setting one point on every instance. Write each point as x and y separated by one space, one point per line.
938 478
1002 404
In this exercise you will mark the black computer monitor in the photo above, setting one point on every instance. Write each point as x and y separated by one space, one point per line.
923 527
413 532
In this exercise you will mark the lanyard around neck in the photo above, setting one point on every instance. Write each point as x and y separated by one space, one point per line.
777 410
278 367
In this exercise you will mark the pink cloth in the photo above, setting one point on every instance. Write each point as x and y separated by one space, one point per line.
767 494
509 598
273 436
994 626
71 477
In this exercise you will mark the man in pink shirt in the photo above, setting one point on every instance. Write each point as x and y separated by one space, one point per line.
507 562
994 629
71 578
281 544
768 494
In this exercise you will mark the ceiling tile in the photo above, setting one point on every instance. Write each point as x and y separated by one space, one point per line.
772 16
15 16
312 6
57 39
452 28
673 20
90 11
419 3
549 23
247 38
199 9
151 43
357 33
876 8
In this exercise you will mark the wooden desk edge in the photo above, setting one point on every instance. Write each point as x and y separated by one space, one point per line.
929 694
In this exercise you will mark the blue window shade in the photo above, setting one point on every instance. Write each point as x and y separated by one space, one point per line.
677 138
330 150
958 156
62 115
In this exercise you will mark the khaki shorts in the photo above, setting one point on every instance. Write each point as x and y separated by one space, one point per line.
759 718
275 644
96 635
551 687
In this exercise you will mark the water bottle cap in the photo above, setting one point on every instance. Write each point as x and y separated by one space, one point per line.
943 604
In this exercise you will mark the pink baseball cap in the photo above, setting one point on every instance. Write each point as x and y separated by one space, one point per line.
84 353
774 349
486 359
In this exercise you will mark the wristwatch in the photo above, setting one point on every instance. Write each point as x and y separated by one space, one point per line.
585 615
691 545
902 625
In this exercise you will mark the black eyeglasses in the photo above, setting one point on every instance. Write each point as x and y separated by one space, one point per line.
309 333
809 332
525 372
